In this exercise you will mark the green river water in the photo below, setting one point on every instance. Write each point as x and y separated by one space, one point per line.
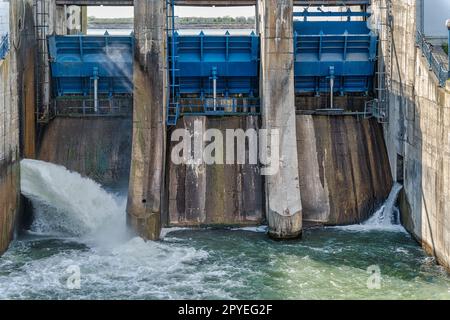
330 263
213 264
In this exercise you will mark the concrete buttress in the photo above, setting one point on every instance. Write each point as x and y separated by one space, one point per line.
149 130
283 201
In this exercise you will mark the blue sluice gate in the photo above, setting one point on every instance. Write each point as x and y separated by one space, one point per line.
83 64
219 74
4 45
342 51
213 75
232 60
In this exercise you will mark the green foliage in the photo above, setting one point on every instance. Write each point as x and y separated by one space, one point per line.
445 47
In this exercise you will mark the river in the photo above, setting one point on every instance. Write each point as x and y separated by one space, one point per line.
79 229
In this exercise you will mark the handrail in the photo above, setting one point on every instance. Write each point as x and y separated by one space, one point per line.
4 46
220 106
438 68
85 106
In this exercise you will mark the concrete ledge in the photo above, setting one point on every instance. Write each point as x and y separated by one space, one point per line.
287 227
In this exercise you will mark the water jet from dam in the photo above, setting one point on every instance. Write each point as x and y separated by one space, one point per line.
67 204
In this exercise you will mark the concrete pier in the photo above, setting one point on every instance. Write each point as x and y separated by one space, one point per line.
9 152
15 83
283 201
149 129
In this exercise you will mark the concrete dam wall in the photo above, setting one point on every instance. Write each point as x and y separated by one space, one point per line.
16 96
9 153
190 195
417 135
99 148
216 194
9 172
343 168
9 201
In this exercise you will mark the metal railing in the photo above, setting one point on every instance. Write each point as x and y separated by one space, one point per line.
441 72
85 106
220 106
374 108
4 46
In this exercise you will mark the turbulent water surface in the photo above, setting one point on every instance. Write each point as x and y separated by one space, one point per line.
334 263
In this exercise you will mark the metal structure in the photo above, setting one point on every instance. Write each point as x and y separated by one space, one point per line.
441 71
379 107
91 66
80 106
4 29
213 75
172 109
219 75
334 56
426 40
42 72
4 46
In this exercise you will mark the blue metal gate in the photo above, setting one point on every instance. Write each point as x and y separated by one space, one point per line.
338 56
214 75
4 46
92 70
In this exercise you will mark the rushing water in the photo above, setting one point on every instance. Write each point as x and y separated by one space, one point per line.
79 225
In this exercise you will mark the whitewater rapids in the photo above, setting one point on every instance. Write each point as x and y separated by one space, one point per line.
65 203
78 224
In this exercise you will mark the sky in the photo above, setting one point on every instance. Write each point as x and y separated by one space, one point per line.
121 12
436 13
4 18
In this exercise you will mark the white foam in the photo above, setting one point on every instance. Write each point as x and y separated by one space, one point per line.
67 204
259 229
133 270
384 219
388 214
78 208
166 231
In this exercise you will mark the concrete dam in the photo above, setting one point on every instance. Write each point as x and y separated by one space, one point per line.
325 128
